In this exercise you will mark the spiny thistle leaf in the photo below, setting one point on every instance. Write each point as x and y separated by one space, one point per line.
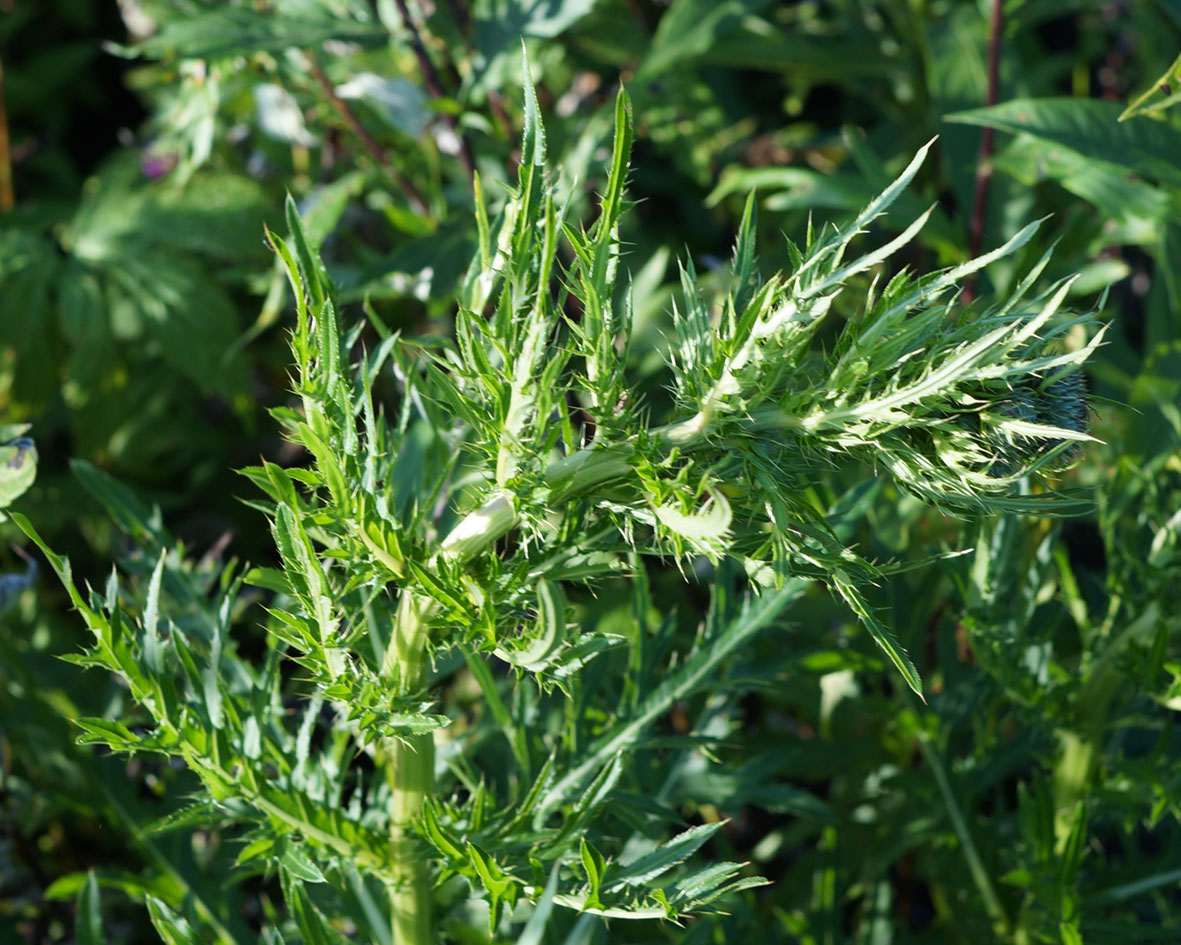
512 463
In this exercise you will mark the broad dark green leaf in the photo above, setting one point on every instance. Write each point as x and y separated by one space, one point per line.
85 327
500 23
692 28
1091 127
120 502
194 322
1138 204
29 270
244 31
770 49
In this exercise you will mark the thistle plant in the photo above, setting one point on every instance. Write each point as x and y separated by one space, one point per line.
460 497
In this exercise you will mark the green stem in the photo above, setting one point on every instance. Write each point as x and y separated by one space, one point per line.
567 478
1080 743
580 472
410 770
992 902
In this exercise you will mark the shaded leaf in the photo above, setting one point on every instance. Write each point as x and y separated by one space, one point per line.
1091 127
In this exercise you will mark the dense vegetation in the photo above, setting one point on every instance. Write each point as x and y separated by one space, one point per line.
533 498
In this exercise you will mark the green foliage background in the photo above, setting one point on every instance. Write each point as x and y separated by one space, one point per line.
1033 797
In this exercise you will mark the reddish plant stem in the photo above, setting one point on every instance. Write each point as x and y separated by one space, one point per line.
495 101
460 15
638 15
431 76
984 160
413 197
7 197
450 65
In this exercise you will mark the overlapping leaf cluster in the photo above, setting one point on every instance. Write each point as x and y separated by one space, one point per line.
924 389
162 627
457 490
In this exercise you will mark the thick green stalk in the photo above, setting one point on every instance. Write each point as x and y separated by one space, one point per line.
410 768
568 477
1080 744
